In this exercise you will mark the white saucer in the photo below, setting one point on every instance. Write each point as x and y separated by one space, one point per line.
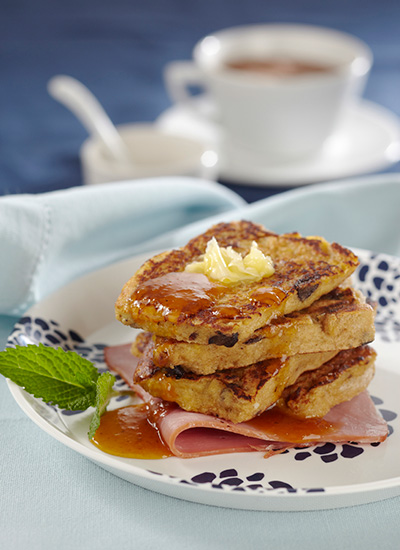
368 140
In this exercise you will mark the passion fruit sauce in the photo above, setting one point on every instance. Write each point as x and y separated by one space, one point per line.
132 431
180 292
186 293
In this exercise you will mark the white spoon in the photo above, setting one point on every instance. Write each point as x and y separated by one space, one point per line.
80 100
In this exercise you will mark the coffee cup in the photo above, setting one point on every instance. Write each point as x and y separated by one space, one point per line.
277 90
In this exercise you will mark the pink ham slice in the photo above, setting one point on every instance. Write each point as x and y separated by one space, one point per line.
120 360
191 434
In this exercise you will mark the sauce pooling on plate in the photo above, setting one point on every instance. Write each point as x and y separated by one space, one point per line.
131 432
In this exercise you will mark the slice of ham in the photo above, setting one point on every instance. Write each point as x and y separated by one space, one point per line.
190 434
120 360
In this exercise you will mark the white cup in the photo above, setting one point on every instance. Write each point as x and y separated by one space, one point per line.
154 153
278 116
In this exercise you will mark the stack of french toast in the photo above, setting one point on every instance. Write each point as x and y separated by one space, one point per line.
242 319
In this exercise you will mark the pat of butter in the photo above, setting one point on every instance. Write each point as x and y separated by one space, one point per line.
228 267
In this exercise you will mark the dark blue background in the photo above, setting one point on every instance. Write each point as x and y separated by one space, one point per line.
119 47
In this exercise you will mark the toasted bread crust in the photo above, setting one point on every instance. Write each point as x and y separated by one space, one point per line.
237 395
305 269
342 378
339 320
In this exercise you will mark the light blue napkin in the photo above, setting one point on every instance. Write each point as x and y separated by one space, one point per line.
52 497
358 212
47 240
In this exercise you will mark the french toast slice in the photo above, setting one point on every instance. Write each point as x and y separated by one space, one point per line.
342 378
339 320
237 394
165 300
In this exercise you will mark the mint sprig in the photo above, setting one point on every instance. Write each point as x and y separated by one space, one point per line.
59 377
104 393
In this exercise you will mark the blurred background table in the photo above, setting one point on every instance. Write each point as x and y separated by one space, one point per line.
118 49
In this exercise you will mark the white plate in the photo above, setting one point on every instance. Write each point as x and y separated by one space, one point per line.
80 315
368 140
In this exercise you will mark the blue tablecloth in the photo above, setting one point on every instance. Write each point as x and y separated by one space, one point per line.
52 497
119 50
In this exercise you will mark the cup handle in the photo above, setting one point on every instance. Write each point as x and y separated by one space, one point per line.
178 76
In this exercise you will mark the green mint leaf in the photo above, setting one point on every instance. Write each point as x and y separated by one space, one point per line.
59 377
104 392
